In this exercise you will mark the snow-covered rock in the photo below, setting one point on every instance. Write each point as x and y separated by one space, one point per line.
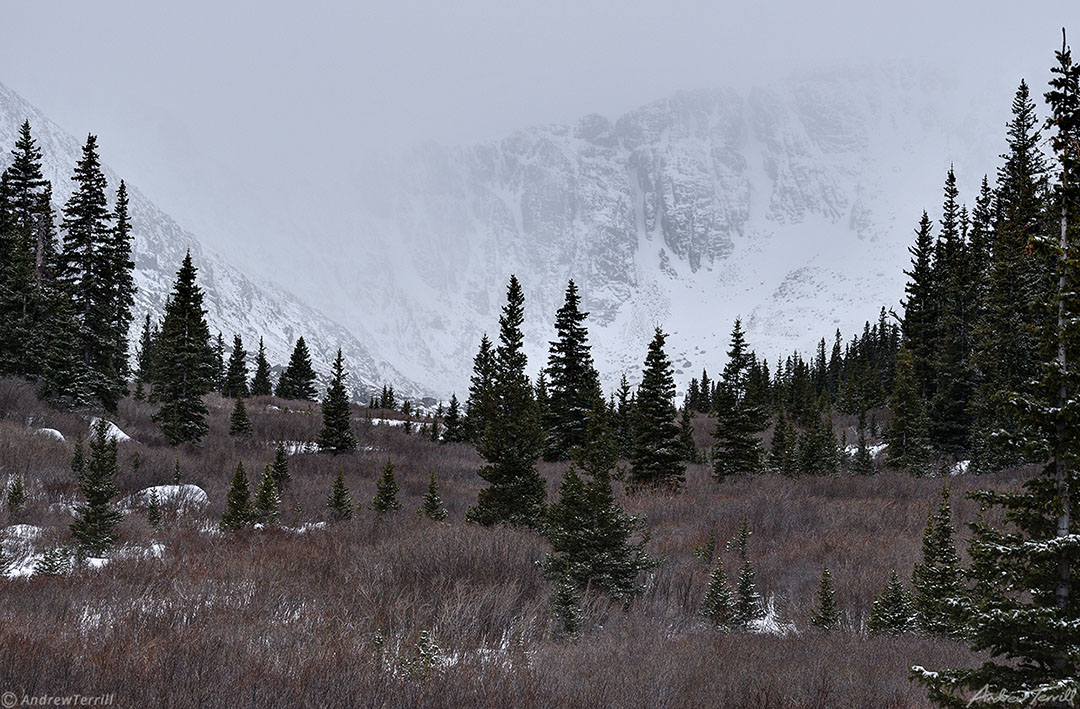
112 431
51 433
174 496
960 468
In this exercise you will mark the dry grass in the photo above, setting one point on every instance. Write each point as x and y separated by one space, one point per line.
282 618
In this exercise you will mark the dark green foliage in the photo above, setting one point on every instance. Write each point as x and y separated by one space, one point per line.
862 462
656 456
236 372
566 608
1025 608
939 596
625 404
94 528
78 459
298 379
920 308
718 606
907 436
453 426
432 506
737 450
280 467
238 512
407 421
266 507
783 458
55 561
748 605
386 491
120 275
339 502
16 495
144 357
153 510
239 423
573 386
480 404
893 612
218 361
176 472
827 613
260 383
686 436
336 435
592 538
183 361
513 437
818 451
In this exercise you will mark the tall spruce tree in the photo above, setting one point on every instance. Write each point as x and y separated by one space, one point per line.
826 615
239 421
939 596
94 528
236 372
260 383
184 361
480 404
907 436
573 385
656 456
121 277
336 435
1026 613
453 426
737 449
238 512
592 538
920 308
298 379
280 467
432 505
513 436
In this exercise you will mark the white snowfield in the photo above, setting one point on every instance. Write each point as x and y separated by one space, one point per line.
174 496
112 431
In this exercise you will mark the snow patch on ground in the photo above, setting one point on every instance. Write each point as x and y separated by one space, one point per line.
23 532
298 447
771 623
51 433
305 527
875 450
960 468
112 431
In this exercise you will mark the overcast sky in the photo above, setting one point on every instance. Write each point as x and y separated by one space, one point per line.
222 90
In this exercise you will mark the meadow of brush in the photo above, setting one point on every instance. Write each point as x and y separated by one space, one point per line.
310 614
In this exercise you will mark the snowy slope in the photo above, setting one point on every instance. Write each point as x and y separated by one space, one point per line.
791 205
235 303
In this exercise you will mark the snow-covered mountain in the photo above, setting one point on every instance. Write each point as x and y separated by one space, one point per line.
790 204
235 302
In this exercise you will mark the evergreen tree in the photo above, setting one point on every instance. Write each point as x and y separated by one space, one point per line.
893 612
280 468
592 538
566 608
863 461
748 606
16 496
907 438
782 453
260 383
432 506
513 437
737 450
656 456
238 512
453 427
686 436
153 510
339 502
920 308
1025 611
718 606
183 361
939 595
407 422
624 418
480 404
386 490
55 561
95 522
218 362
239 423
266 508
573 384
236 372
65 379
144 357
120 275
827 614
336 435
88 270
298 379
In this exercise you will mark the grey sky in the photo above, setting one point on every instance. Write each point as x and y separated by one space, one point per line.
191 97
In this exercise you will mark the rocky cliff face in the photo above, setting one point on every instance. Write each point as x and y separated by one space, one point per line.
235 303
